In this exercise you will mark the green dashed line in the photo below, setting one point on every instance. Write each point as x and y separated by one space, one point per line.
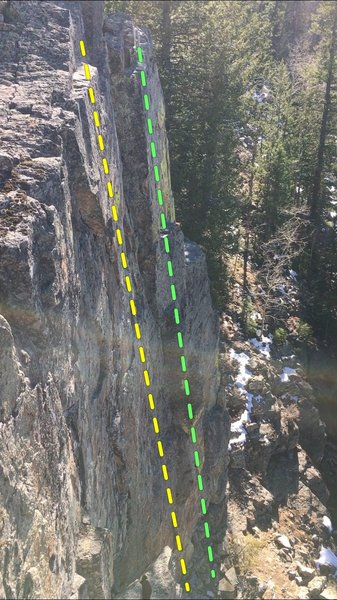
180 339
206 528
163 224
193 435
170 268
156 173
149 126
163 220
146 102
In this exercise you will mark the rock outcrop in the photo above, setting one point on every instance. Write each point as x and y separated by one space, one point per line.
82 500
277 498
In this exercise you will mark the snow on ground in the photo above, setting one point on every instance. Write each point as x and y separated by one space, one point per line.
237 427
327 557
286 372
327 523
282 289
264 345
244 375
293 274
256 315
289 397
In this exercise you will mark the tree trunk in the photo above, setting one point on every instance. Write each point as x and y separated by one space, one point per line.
315 208
166 56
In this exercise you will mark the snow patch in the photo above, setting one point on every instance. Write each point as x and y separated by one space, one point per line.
327 523
244 375
263 346
286 372
237 427
327 557
256 315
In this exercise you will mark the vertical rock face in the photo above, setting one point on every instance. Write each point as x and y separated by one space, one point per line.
82 500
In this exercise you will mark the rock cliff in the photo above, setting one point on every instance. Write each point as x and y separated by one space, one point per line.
82 502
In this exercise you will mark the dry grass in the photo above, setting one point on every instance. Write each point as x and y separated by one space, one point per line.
245 554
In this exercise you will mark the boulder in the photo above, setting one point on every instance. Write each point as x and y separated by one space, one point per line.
316 586
283 541
231 576
330 593
252 429
303 594
226 589
305 572
237 458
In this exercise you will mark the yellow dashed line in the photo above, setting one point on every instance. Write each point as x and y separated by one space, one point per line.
100 142
187 586
151 401
82 48
160 449
124 261
96 118
91 95
119 237
133 307
110 191
128 284
105 166
147 380
178 542
87 71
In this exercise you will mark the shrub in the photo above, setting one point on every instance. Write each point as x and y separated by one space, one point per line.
304 331
280 336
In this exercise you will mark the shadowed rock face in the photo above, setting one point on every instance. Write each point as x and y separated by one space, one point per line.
82 501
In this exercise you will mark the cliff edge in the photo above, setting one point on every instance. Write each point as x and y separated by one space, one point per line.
83 509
